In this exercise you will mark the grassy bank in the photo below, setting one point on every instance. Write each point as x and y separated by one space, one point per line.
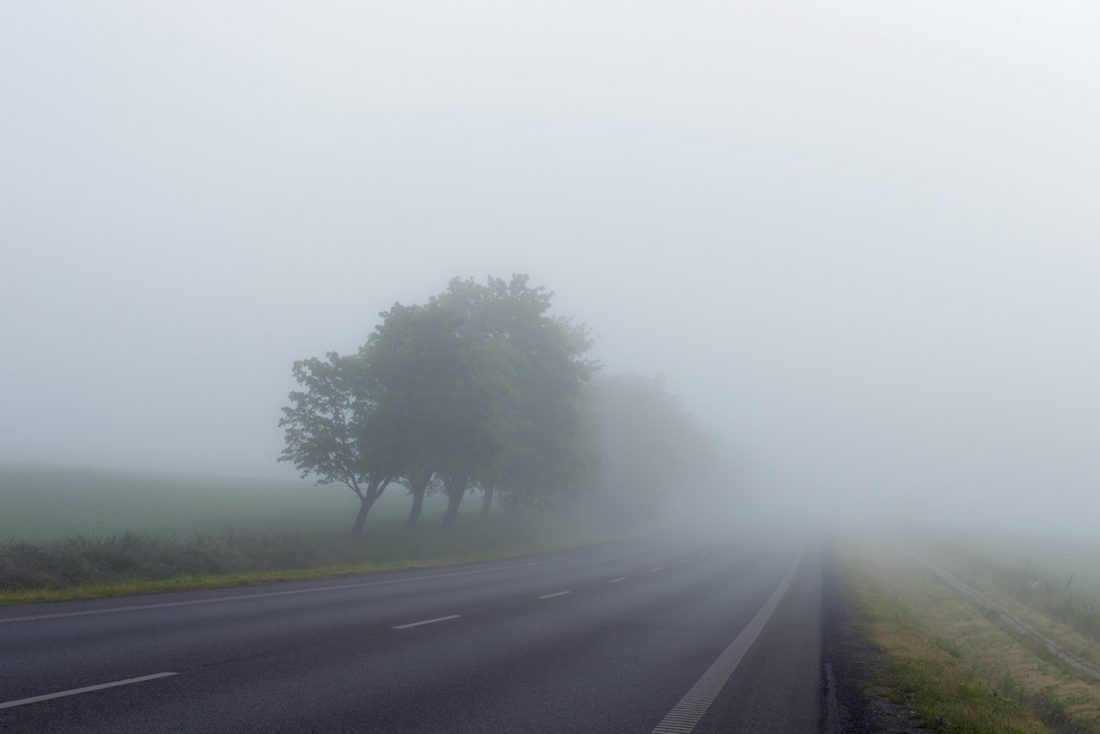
1054 583
953 663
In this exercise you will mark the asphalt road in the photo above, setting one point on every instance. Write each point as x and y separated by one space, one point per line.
637 637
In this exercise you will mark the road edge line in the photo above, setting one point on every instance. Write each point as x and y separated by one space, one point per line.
685 715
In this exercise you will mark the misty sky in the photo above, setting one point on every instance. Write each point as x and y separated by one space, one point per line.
861 238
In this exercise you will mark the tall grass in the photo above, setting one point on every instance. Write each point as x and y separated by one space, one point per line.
129 557
86 559
1057 598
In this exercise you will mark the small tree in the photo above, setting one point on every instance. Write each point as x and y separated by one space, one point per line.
331 431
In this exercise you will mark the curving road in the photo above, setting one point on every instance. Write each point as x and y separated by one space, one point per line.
672 637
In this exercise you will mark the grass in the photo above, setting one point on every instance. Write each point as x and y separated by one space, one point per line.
1054 583
72 533
186 582
952 663
45 502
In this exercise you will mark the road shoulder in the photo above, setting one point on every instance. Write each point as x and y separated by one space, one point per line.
857 665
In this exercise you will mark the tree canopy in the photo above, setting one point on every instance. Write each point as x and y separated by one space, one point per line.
332 431
480 387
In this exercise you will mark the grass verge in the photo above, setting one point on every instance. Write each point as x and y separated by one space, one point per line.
1065 611
91 568
130 587
953 663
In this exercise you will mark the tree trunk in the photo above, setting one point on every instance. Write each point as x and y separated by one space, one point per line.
456 490
373 491
418 487
418 504
487 502
364 508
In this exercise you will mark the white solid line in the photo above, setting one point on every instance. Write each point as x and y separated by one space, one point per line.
685 715
615 581
86 689
268 594
556 593
426 621
659 568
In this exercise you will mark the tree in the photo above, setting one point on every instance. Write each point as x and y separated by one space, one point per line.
651 448
478 388
402 365
478 408
331 431
547 457
444 395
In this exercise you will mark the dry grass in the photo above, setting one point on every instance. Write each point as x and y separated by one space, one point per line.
1066 611
958 668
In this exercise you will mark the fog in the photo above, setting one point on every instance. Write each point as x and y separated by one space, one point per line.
860 240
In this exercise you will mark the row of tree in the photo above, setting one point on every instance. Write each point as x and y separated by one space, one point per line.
654 455
482 389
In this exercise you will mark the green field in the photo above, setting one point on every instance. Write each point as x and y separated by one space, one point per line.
42 502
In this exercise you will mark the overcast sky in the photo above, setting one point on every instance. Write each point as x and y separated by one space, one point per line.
861 238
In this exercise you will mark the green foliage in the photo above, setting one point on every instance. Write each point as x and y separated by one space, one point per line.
332 431
546 458
323 428
480 387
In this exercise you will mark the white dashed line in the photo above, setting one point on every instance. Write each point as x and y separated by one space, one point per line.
426 621
659 568
556 593
615 581
86 689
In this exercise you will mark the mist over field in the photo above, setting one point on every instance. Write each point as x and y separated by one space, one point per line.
860 242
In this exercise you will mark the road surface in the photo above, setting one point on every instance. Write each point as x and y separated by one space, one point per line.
637 637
